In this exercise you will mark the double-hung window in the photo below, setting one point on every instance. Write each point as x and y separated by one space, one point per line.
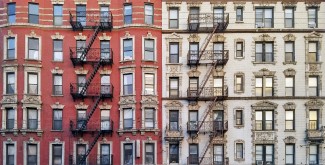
264 18
173 153
289 17
173 87
312 17
264 154
313 86
57 15
239 14
10 154
264 86
239 150
239 117
193 121
313 119
81 118
81 151
289 86
173 120
193 156
105 86
105 157
149 49
313 52
173 18
128 118
128 14
57 119
57 84
105 50
239 83
264 120
289 51
127 49
105 121
32 86
264 52
174 52
33 48
128 84
313 154
105 17
57 50
81 14
57 154
32 118
290 154
148 12
11 11
31 154
149 121
239 50
290 119
11 48
149 153
10 118
10 84
33 15
128 153
149 84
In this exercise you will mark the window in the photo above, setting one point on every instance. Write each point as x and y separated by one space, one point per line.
81 118
105 121
10 154
57 50
32 83
239 117
11 48
128 14
57 15
174 52
148 11
193 18
264 52
57 154
264 154
173 153
32 118
81 79
10 118
57 85
290 88
81 14
312 17
105 50
81 151
313 52
105 16
313 119
173 120
149 84
173 87
32 154
193 86
218 50
264 120
149 153
127 118
313 86
105 85
149 121
193 157
290 120
239 14
218 16
313 154
173 18
290 154
10 85
239 83
239 50
57 119
289 51
149 49
105 156
33 13
11 11
264 18
128 154
239 151
289 17
218 158
127 49
194 51
193 121
128 84
264 86
33 48
81 46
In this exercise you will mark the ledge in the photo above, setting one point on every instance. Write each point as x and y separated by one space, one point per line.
25 131
273 63
4 131
291 62
122 131
143 130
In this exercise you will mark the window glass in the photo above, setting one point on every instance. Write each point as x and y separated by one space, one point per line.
58 12
33 13
127 14
149 49
128 84
148 11
11 12
128 49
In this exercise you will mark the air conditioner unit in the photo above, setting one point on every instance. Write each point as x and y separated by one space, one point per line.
259 162
259 25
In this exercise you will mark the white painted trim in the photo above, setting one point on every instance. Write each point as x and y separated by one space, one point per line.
75 150
25 151
154 72
149 36
110 143
122 150
39 46
50 151
144 153
7 69
4 151
5 45
127 36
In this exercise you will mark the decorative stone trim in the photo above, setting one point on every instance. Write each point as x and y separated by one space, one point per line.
104 2
219 73
289 139
34 100
33 34
289 105
57 105
194 38
174 37
127 102
56 70
61 2
172 104
264 105
239 4
105 106
264 72
10 34
243 116
235 149
264 37
80 37
193 73
57 36
289 37
105 71
80 2
81 105
287 4
104 37
314 104
149 101
173 4
289 72
312 4
261 3
218 38
81 71
193 107
9 99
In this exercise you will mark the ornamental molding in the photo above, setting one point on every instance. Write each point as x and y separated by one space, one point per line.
219 73
81 141
174 36
289 105
264 37
57 36
126 100
9 99
104 2
219 105
149 35
81 71
264 105
239 141
193 107
289 37
313 35
264 72
289 139
289 72
218 38
127 35
9 140
193 73
215 4
80 37
57 70
10 68
105 71
150 101
33 34
315 103
32 99
57 141
80 2
127 69
194 38
193 140
239 40
11 34
264 136
104 37
57 2
174 104
57 105
105 106
286 4
173 4
31 140
312 4
239 4
81 105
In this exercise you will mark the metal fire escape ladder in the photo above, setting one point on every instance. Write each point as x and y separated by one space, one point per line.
92 40
206 147
93 109
206 42
84 88
83 159
206 113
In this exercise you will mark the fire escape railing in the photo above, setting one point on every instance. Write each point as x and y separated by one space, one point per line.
94 55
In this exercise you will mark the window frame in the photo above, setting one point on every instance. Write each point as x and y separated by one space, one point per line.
312 19
312 87
239 85
149 50
8 84
55 121
288 120
288 54
35 15
81 118
55 86
8 57
241 51
264 121
103 156
241 152
148 154
149 15
105 53
125 127
56 155
172 54
148 119
28 154
263 17
292 18
149 85
264 54
125 153
29 57
29 120
170 19
8 145
288 87
288 154
127 17
57 16
78 155
28 83
127 85
239 16
311 53
10 125
316 125
316 155
11 13
174 157
176 79
264 87
239 118
264 152
59 50
81 15
173 121
125 50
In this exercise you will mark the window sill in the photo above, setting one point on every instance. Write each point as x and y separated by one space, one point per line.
239 58
239 126
125 61
239 159
7 60
57 130
149 61
174 64
58 61
238 92
122 131
57 95
287 130
239 21
316 62
36 60
155 130
273 63
290 62
24 131
9 130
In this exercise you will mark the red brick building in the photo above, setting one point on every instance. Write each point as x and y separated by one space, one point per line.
81 82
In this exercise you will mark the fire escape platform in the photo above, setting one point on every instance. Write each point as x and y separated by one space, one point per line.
208 94
90 20
208 57
206 22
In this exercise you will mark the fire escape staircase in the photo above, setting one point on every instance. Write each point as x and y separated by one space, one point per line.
84 157
90 43
91 77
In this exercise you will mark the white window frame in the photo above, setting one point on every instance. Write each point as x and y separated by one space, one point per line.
122 149
51 151
5 45
39 47
25 118
110 143
155 126
122 83
75 143
6 70
242 76
264 86
243 151
35 70
154 83
127 36
38 151
62 55
318 93
144 150
4 151
149 37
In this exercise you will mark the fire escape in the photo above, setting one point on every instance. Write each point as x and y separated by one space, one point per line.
212 24
97 21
